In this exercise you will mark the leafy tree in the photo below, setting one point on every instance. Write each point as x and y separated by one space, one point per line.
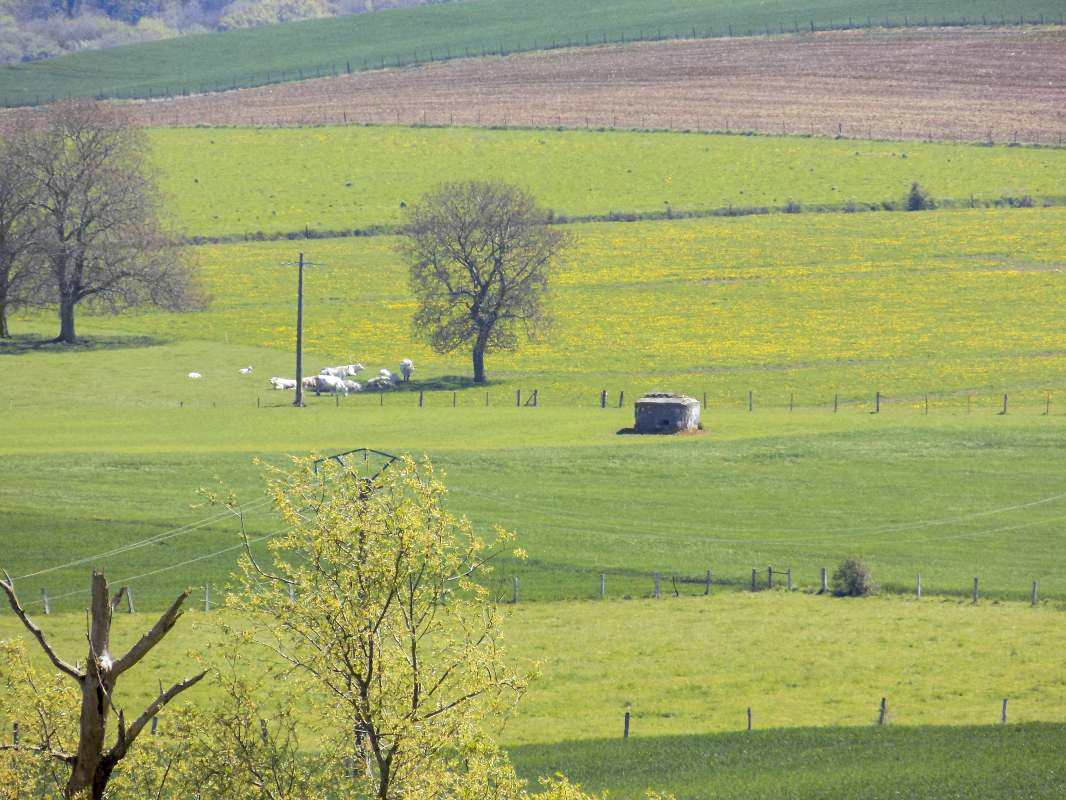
101 238
386 619
481 258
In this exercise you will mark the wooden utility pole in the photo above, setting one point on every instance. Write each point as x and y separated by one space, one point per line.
299 399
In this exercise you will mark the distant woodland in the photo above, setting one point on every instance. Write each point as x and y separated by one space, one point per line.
36 29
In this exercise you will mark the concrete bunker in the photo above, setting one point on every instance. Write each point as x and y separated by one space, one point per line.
666 412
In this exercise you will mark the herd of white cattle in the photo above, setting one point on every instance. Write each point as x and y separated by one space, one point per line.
338 380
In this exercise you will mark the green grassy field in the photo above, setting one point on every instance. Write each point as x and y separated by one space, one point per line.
276 53
812 669
927 763
105 444
338 179
957 492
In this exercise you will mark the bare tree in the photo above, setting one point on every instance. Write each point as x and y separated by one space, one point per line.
93 761
18 226
481 256
101 237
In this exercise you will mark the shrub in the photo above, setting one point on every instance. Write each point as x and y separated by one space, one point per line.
852 579
918 200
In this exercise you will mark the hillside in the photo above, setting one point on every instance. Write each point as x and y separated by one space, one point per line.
298 50
999 85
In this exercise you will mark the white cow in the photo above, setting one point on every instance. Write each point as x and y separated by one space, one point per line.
330 383
195 375
336 372
353 386
246 370
354 369
282 383
407 366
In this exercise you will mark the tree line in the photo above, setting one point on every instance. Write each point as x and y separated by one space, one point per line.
82 221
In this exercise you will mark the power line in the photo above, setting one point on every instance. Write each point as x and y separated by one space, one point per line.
154 539
175 566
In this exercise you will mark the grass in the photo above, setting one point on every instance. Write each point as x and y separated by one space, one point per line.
963 305
344 178
287 52
926 763
813 670
809 306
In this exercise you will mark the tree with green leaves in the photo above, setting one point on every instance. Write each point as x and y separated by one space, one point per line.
387 617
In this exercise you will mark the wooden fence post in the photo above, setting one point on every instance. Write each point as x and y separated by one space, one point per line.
705 400
658 577
877 403
749 718
788 575
603 586
44 601
753 573
825 581
835 403
883 712
918 585
514 590
769 577
603 398
420 398
207 597
486 399
1004 411
453 399
1032 597
517 398
155 725
707 584
749 400
975 590
791 398
1003 717
625 730
129 600
621 398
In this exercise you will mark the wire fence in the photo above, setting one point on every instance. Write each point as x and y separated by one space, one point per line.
502 47
1038 402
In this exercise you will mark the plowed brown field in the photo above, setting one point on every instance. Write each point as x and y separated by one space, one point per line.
1007 84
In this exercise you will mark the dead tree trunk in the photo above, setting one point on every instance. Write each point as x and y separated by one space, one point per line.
92 764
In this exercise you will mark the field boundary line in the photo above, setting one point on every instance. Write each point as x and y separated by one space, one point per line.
886 206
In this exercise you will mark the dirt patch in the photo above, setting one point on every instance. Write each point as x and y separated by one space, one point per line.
973 84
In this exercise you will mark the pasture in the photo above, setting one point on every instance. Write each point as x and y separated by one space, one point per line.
812 669
345 178
952 493
279 53
807 312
